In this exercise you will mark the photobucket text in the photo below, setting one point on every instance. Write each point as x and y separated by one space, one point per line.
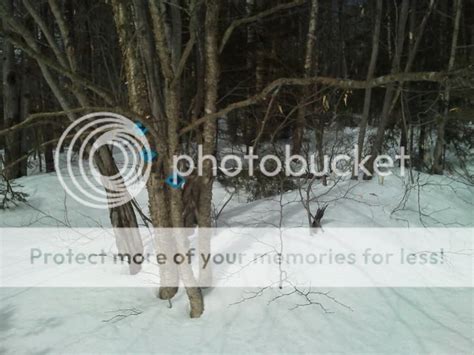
294 165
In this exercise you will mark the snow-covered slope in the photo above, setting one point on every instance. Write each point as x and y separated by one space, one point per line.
270 320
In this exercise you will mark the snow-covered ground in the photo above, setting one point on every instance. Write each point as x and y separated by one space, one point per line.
382 321
345 320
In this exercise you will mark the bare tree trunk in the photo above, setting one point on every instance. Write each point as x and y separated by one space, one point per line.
421 146
11 104
415 40
143 98
259 43
47 136
173 114
249 123
308 71
26 135
209 131
390 91
370 75
392 95
440 140
136 84
176 33
121 216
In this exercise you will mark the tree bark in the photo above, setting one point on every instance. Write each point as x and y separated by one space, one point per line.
390 91
11 104
440 140
307 72
370 75
172 115
144 97
121 216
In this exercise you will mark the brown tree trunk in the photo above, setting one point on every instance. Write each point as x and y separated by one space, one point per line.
440 140
390 91
125 211
11 105
370 75
122 218
157 193
172 115
308 72
249 121
209 131
27 134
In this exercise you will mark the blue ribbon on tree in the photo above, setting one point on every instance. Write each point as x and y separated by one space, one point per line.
149 155
175 181
142 130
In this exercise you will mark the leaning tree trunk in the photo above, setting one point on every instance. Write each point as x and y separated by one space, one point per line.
121 216
440 141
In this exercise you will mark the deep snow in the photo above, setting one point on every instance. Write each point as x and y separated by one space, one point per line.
132 320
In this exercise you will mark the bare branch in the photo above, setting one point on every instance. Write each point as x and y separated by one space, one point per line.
14 39
464 76
254 18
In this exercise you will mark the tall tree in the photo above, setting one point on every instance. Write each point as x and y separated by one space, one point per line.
11 104
370 75
390 91
441 129
308 71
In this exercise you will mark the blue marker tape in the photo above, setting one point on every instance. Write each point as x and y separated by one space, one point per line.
142 130
148 155
175 181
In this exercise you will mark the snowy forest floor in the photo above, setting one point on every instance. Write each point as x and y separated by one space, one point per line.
132 320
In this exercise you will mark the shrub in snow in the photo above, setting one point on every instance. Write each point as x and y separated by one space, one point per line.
9 194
